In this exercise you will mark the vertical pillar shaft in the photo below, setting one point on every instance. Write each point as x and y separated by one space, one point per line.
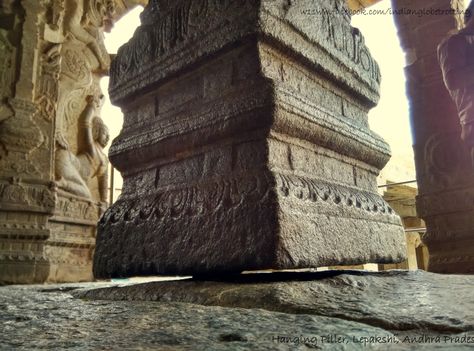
53 173
444 173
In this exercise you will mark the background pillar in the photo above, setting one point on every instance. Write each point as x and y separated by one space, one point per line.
444 172
51 192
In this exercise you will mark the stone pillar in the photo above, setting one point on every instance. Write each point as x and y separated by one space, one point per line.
245 143
402 200
444 173
52 168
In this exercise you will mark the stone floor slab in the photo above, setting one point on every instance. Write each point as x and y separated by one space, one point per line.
284 311
51 319
393 300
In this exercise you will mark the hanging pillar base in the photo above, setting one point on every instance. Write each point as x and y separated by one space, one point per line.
246 144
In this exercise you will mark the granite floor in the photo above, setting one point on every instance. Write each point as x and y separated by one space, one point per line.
333 310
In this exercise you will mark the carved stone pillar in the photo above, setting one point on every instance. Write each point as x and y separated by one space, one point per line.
444 173
51 164
245 142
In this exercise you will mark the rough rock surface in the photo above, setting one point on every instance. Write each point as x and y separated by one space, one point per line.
246 143
443 161
53 170
40 319
317 312
393 300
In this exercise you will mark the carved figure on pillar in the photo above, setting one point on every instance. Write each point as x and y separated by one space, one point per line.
73 172
52 166
83 24
456 57
84 57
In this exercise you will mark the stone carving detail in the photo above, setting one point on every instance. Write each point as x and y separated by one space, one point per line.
53 171
100 13
231 192
17 193
20 133
84 23
83 60
316 190
77 209
7 70
76 67
199 200
226 101
6 66
73 172
443 160
47 94
5 113
165 26
165 32
20 136
339 34
54 14
19 167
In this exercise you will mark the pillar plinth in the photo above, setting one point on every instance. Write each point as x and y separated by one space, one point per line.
245 143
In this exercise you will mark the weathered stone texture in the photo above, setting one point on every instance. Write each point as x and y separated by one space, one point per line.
48 318
397 301
53 172
411 308
443 166
245 143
